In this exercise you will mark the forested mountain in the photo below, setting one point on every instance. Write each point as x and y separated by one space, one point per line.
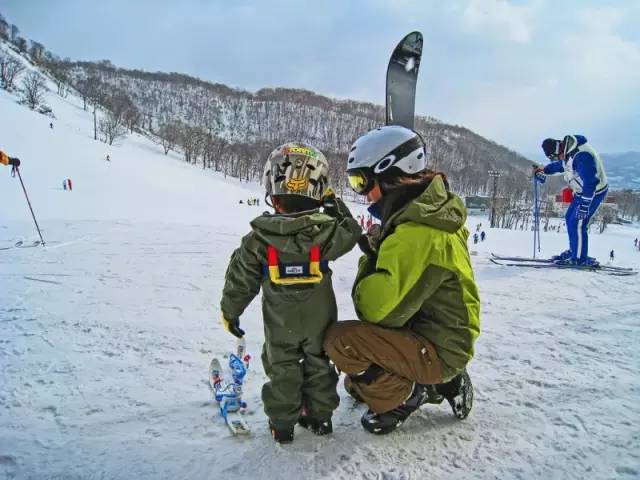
233 130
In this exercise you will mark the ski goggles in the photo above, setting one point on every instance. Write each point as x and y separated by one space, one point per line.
360 180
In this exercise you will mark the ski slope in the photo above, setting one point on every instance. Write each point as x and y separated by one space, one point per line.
106 335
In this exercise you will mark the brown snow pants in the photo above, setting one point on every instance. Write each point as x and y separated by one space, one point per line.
404 356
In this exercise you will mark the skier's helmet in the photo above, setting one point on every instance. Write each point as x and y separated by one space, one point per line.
553 148
390 150
296 169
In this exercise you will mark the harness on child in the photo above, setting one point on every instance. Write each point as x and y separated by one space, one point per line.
295 273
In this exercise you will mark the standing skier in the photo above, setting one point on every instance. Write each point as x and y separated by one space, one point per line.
414 291
584 172
287 254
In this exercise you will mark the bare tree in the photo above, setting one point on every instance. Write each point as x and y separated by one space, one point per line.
89 90
607 215
10 69
112 127
169 134
37 51
21 43
4 28
33 88
14 33
132 117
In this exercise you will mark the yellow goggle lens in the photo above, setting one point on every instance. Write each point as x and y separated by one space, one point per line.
358 182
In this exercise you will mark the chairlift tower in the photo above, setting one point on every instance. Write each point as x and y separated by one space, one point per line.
494 174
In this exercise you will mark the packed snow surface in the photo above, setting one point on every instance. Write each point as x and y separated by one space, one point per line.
106 335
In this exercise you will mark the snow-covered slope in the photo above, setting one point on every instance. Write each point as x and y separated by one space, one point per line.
106 335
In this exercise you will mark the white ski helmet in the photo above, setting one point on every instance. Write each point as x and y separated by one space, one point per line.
386 147
296 169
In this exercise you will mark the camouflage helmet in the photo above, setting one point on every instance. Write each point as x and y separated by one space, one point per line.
296 169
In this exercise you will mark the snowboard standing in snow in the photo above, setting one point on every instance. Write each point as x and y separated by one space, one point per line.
402 76
229 395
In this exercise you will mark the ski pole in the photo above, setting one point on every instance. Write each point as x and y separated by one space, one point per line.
16 169
536 217
535 199
537 178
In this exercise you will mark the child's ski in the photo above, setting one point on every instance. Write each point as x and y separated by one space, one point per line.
229 395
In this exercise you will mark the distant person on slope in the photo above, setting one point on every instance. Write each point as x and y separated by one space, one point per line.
7 160
287 254
584 172
414 292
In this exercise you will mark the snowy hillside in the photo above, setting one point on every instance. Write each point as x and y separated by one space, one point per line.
108 331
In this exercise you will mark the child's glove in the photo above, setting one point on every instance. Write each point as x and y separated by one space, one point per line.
328 198
333 206
233 326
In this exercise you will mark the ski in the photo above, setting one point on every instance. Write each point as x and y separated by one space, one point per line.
550 261
229 395
522 259
402 76
600 269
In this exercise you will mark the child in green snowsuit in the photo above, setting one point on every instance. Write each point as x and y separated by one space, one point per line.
286 254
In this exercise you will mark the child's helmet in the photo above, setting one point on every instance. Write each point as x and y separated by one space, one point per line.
296 169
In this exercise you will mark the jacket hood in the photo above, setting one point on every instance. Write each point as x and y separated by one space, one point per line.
435 207
294 233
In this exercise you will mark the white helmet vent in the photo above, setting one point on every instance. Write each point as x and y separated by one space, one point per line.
385 163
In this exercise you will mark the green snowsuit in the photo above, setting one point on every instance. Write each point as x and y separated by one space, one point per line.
296 317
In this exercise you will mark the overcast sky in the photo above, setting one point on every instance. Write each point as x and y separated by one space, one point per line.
514 71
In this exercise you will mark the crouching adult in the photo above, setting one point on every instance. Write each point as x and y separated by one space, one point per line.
414 293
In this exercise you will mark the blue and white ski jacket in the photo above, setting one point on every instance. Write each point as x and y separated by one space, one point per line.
583 170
